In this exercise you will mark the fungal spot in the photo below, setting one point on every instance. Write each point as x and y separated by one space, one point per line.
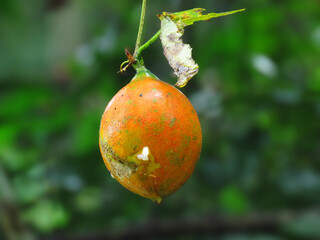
132 165
144 155
140 95
142 164
119 167
121 170
145 162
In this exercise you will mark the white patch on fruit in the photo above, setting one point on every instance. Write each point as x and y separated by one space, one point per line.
144 155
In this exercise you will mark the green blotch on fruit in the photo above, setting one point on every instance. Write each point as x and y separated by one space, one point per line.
173 159
156 127
187 138
163 118
164 186
172 122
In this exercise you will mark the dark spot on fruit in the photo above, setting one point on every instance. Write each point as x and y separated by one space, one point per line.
115 108
140 95
135 148
122 95
132 165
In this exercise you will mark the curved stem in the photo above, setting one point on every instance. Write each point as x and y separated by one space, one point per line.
143 13
147 44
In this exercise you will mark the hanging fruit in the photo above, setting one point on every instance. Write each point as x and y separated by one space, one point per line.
150 134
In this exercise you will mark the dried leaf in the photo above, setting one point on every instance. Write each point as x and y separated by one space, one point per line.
177 53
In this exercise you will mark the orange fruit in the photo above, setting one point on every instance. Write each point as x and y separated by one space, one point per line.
150 137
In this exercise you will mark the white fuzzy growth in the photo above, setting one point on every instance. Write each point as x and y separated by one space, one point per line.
144 155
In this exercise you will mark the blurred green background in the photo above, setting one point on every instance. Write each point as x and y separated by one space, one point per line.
257 95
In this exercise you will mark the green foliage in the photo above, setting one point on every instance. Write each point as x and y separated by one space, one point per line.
47 215
233 201
305 226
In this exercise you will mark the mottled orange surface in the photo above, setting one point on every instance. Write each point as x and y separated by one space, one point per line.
153 114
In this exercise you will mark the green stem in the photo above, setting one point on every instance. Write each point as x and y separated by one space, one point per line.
143 13
138 63
147 44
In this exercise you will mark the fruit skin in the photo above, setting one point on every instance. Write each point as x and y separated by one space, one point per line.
150 119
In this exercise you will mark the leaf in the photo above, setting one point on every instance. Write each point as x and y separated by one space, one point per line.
177 53
190 16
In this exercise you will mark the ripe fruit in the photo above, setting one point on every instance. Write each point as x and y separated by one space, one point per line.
150 137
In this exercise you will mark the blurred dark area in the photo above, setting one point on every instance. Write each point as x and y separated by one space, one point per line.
257 95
